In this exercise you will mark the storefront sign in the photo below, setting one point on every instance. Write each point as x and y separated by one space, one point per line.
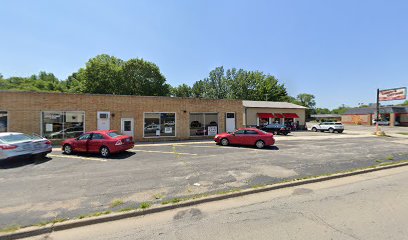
212 130
168 130
393 94
48 127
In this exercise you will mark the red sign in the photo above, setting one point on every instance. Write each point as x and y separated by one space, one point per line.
393 94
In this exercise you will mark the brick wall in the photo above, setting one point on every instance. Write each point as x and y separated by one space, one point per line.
24 110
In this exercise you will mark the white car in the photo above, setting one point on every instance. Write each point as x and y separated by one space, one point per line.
19 145
384 122
328 126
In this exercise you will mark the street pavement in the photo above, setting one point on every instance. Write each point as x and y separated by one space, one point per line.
69 186
368 206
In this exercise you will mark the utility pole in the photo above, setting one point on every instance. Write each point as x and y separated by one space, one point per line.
378 110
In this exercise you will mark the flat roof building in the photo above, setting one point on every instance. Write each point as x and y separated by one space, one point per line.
64 115
395 115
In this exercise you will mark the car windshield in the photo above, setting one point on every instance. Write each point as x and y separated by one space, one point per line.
114 134
13 138
263 132
338 123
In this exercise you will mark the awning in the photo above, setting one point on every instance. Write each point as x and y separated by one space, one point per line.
290 115
278 115
265 115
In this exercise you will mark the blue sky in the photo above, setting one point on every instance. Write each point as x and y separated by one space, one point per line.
340 51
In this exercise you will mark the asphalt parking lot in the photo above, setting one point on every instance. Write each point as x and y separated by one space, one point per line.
63 186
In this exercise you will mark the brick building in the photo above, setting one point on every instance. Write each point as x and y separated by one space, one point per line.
61 115
395 115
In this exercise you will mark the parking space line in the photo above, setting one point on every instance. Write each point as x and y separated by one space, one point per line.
77 157
172 144
151 151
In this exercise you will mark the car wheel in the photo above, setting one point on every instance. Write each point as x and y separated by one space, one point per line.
340 131
314 129
331 130
67 149
224 142
260 144
104 151
286 133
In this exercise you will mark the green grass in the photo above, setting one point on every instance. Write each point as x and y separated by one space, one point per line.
145 205
173 201
390 158
158 196
94 214
10 229
116 203
128 209
403 133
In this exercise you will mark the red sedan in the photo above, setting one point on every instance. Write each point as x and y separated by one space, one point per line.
246 136
103 142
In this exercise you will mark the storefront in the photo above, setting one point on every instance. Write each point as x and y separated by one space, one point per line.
259 113
390 115
60 116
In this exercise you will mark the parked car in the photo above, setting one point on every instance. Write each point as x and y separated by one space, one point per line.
67 133
246 136
328 126
19 145
103 142
385 122
276 129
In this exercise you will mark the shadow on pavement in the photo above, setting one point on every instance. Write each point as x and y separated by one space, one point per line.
114 156
21 162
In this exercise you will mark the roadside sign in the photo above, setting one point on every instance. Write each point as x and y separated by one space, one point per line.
393 94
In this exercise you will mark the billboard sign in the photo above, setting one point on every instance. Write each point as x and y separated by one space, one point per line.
393 94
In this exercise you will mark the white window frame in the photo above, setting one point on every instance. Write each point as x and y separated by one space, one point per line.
175 125
50 111
189 121
8 122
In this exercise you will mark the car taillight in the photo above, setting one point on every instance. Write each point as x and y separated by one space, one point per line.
7 147
119 142
48 142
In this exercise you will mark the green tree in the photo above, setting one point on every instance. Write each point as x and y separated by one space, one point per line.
322 111
182 90
307 100
240 84
404 103
106 74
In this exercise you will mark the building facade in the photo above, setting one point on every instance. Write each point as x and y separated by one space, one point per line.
258 113
395 115
59 115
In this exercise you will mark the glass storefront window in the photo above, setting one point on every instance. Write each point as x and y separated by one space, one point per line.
62 125
203 124
3 121
159 125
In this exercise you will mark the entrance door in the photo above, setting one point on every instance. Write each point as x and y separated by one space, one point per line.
230 122
103 121
126 126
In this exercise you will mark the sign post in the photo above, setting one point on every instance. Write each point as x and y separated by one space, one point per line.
377 111
388 95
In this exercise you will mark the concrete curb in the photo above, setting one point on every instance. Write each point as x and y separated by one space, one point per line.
69 224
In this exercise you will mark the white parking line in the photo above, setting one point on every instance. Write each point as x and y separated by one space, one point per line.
172 144
151 151
77 157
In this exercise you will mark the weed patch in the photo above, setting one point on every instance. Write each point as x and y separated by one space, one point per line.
116 203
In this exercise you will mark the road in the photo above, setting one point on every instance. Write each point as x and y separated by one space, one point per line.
69 186
369 206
